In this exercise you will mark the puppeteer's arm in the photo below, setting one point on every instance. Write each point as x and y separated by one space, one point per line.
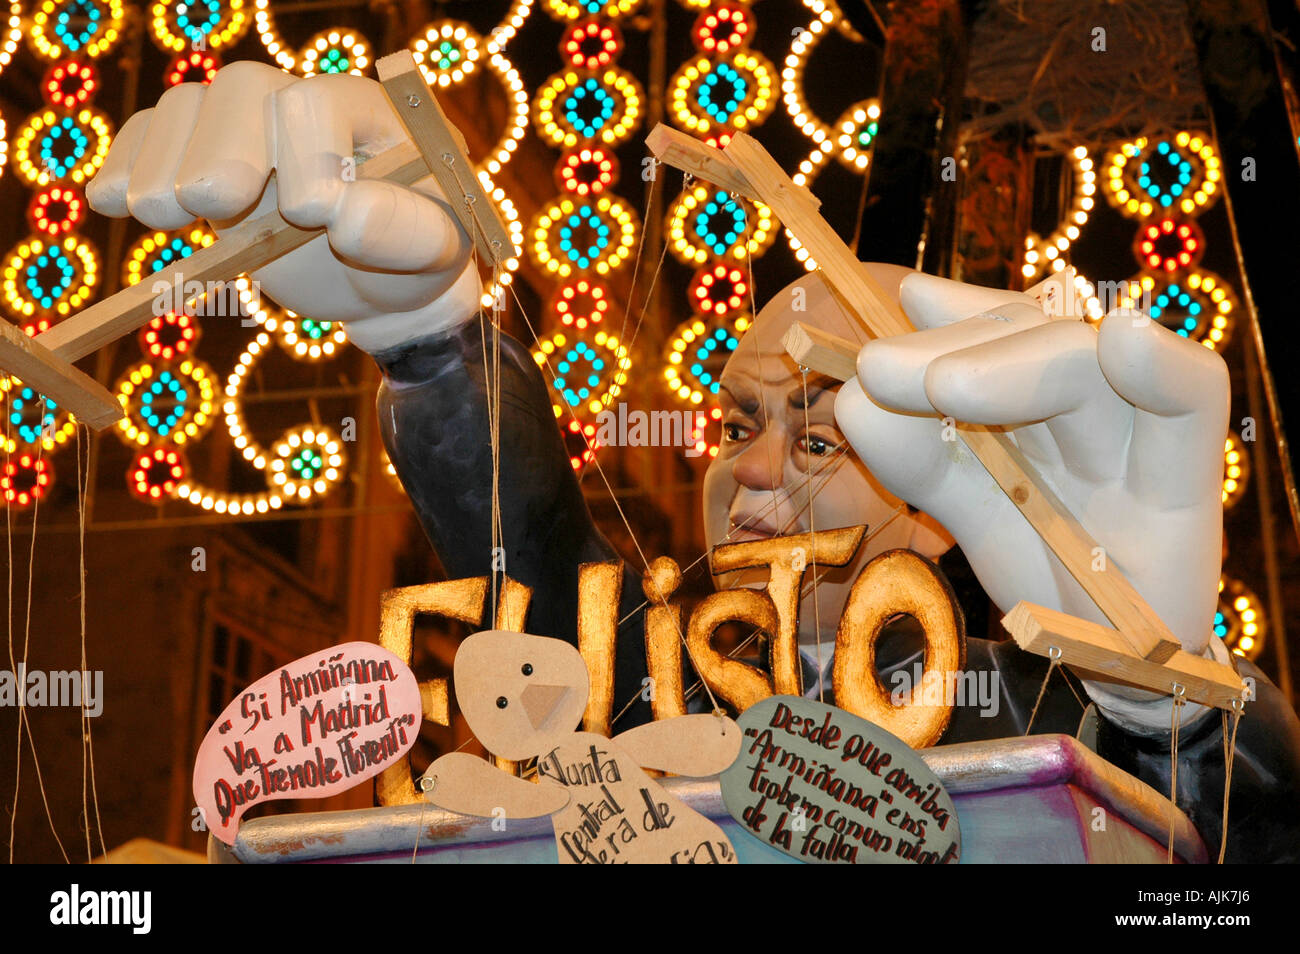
433 411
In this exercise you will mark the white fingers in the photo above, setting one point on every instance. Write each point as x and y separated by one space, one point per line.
318 123
106 192
231 154
1047 373
151 193
1181 393
382 225
931 301
893 369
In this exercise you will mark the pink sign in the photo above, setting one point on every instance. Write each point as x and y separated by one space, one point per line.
316 727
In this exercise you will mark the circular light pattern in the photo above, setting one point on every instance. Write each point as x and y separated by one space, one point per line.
1168 245
271 40
198 66
571 107
169 336
1236 470
708 96
152 253
86 28
32 418
514 132
334 51
586 376
1144 177
857 130
1239 619
720 290
722 29
448 52
591 45
47 279
26 479
69 85
698 349
306 338
1198 306
13 33
587 171
181 25
165 403
706 223
573 9
56 211
801 47
581 303
305 462
156 474
1043 253
50 147
571 235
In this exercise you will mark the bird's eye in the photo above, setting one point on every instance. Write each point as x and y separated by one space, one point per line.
527 669
502 702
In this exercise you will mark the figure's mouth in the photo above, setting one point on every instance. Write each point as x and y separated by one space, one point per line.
743 528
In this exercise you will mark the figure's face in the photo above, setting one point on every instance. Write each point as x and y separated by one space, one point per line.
520 694
784 468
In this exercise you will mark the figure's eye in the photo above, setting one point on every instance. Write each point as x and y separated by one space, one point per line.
502 702
735 433
816 446
527 669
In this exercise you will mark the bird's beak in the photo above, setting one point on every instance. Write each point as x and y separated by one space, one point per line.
540 701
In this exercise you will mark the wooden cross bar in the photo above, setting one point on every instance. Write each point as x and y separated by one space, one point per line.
1141 649
437 148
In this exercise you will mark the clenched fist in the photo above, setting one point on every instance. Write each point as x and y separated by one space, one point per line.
394 263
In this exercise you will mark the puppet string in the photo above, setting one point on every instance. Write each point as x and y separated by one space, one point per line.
1229 756
758 350
812 529
81 596
1054 660
610 490
1179 693
24 724
523 313
636 264
9 613
88 741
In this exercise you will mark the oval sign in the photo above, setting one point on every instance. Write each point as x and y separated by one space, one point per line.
315 727
823 785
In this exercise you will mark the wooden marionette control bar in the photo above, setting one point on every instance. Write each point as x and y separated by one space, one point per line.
1140 634
253 244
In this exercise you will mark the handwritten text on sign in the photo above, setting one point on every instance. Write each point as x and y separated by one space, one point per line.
823 785
315 727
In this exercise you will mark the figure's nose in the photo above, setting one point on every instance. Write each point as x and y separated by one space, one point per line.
761 466
540 701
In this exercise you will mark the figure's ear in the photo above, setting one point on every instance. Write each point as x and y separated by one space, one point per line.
468 785
929 538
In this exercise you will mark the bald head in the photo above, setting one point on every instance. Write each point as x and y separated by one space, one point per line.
809 299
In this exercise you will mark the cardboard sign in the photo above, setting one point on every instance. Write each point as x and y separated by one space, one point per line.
823 785
315 727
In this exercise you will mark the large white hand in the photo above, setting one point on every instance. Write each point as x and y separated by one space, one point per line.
1126 425
394 262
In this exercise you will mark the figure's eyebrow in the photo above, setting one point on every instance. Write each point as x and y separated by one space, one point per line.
748 403
818 385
